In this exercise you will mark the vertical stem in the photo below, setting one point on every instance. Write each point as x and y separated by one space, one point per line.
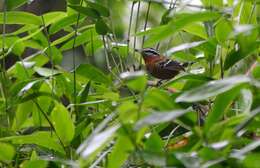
3 67
146 21
74 63
145 26
50 54
129 26
106 53
136 25
92 44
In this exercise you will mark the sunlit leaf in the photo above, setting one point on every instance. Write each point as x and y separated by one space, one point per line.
43 139
160 117
211 89
63 123
18 17
92 73
7 152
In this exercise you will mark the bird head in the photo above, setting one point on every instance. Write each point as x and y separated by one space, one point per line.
148 52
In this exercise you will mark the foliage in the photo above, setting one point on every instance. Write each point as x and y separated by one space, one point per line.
101 113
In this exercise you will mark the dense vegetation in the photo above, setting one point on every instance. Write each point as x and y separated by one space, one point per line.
75 93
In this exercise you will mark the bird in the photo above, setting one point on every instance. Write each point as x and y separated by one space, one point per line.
160 66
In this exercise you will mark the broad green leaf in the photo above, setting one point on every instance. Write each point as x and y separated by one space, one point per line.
22 113
44 139
155 159
190 77
86 11
101 27
184 46
196 29
34 163
120 152
127 112
64 22
138 83
160 117
92 73
250 118
46 71
221 104
162 32
54 54
53 17
102 10
70 35
239 154
7 152
234 56
245 101
80 39
63 123
18 17
251 160
154 143
212 89
223 30
96 141
158 99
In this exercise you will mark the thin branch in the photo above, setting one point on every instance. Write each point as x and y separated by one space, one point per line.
129 26
106 54
50 54
145 26
74 62
136 26
146 21
3 67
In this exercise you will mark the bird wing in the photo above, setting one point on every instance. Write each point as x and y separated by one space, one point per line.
171 65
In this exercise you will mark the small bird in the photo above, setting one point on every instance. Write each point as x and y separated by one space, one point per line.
160 66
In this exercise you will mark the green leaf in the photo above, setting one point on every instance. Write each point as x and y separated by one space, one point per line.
235 56
64 22
212 89
12 4
54 54
70 35
101 27
158 99
120 152
22 113
53 17
7 152
63 123
103 11
96 141
162 32
160 117
86 11
251 160
138 83
196 29
44 139
82 38
154 143
46 71
16 17
35 163
92 73
223 30
221 104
